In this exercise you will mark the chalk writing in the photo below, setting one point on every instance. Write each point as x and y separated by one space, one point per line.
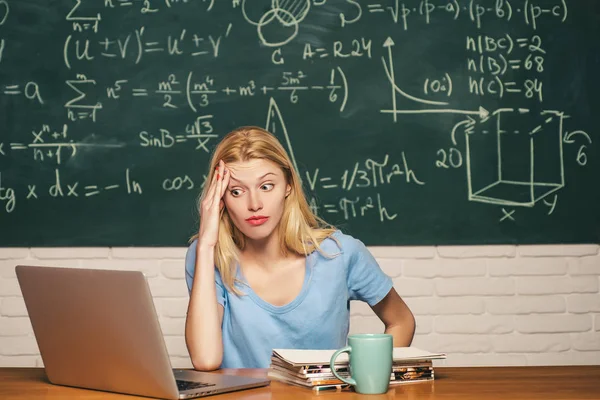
422 114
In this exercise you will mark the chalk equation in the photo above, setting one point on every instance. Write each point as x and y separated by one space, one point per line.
453 112
291 13
4 11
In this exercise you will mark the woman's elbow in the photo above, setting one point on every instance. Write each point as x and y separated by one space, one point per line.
204 359
203 364
407 324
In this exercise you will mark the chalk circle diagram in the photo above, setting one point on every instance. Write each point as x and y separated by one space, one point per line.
278 25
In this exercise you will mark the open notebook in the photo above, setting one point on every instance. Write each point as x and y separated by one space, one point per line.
296 357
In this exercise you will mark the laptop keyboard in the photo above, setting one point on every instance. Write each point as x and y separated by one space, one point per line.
187 385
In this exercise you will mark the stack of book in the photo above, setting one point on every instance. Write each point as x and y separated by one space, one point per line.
310 368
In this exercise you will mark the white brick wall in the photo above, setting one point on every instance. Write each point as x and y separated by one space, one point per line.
482 305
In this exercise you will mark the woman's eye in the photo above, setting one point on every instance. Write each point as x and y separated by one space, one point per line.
267 186
235 192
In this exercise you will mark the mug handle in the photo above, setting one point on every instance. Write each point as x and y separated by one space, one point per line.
335 355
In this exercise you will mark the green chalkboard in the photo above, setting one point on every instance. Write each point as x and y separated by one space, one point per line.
411 122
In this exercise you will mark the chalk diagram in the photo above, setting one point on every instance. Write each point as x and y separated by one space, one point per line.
539 167
508 161
274 123
280 13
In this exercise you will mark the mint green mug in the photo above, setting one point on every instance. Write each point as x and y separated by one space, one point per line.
370 362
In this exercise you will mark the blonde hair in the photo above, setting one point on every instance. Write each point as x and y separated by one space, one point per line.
300 230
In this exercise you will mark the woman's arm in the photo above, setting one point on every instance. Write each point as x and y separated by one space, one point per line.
397 318
203 334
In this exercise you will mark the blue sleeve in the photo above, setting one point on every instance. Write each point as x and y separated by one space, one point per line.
366 280
190 269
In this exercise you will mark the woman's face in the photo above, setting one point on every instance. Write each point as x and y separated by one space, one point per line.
255 196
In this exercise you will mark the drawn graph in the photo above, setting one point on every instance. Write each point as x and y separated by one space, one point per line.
509 161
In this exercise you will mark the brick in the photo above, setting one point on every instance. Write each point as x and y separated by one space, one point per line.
445 305
451 344
543 285
553 250
556 285
162 287
553 323
176 346
585 265
484 360
474 286
18 346
408 287
424 325
597 323
360 324
172 326
181 362
585 284
565 358
9 287
589 341
538 343
583 303
358 308
420 268
469 324
527 266
13 307
476 251
392 267
17 361
7 267
66 253
150 268
525 305
173 269
444 268
7 253
172 308
458 268
149 252
402 251
15 326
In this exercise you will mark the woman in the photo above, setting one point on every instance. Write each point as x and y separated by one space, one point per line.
264 272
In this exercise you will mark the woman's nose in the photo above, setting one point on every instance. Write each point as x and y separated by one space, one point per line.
254 202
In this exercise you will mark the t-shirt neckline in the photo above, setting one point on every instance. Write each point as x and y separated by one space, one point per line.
286 307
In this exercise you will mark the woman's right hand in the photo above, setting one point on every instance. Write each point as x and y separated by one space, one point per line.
210 208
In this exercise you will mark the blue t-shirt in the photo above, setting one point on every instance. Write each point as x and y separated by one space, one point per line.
318 318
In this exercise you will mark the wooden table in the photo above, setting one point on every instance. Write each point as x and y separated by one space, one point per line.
547 383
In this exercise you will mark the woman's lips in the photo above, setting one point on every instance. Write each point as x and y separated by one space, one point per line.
257 221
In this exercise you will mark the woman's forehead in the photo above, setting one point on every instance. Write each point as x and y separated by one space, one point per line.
252 169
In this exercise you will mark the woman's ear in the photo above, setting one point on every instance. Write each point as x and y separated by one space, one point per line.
288 190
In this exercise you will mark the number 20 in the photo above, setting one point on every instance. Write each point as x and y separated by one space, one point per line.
452 156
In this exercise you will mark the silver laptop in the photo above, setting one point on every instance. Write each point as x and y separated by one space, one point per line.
98 329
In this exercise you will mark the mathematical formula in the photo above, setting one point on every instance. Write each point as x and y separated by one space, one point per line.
119 61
